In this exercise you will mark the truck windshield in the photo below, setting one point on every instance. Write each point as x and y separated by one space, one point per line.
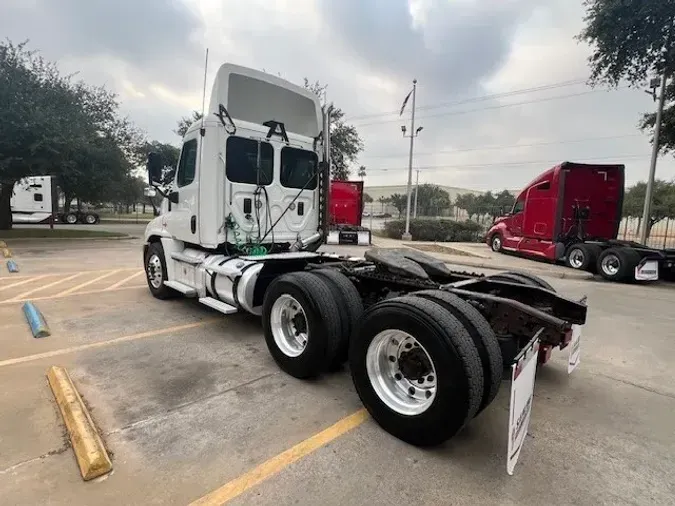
241 161
299 168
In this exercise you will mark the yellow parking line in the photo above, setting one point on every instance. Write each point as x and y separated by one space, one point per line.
58 295
276 464
19 283
58 281
120 283
90 282
123 339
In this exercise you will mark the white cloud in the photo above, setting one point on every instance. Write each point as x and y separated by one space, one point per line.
367 52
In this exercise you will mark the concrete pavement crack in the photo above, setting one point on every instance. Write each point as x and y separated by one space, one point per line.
28 461
637 385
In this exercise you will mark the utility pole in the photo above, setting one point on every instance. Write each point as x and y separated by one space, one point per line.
646 213
417 190
413 133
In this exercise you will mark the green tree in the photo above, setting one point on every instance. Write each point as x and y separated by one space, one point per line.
503 203
472 204
367 198
633 40
51 125
400 202
185 122
362 172
663 205
345 142
431 200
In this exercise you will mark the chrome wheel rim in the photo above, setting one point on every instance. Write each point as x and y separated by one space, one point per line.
289 326
71 219
577 258
154 270
496 243
91 219
401 372
610 265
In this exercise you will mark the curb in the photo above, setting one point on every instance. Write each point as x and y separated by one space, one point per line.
90 452
114 238
38 325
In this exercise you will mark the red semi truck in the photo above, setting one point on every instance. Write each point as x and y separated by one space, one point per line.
346 211
571 214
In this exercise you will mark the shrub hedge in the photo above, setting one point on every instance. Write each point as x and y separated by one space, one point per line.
436 230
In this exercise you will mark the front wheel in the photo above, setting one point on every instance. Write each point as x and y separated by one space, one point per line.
496 243
155 271
416 370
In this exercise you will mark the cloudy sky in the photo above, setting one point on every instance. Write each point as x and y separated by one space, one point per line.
501 83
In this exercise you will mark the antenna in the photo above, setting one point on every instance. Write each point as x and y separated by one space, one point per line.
206 67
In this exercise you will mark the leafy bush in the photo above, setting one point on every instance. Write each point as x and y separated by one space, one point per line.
436 230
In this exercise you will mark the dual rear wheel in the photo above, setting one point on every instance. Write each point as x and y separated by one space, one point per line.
423 364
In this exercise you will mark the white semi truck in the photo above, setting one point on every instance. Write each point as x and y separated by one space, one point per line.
36 200
240 228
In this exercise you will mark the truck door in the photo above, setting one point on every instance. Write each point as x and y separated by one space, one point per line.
184 197
515 229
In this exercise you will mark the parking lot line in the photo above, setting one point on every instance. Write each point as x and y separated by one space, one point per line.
59 296
49 285
120 283
100 344
276 464
87 283
19 283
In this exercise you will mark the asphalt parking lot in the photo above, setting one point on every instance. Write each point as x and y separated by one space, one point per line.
189 402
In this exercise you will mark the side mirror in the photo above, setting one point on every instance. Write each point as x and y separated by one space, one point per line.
155 167
173 197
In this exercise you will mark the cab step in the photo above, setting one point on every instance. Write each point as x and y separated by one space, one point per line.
186 290
218 305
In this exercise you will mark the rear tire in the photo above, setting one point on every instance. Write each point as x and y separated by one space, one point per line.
301 322
351 310
90 219
70 218
582 256
618 264
482 335
403 395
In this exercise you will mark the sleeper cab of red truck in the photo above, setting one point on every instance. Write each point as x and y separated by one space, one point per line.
569 200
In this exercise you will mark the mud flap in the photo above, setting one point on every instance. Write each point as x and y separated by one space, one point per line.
575 349
523 371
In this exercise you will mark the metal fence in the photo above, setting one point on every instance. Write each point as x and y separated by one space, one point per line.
662 234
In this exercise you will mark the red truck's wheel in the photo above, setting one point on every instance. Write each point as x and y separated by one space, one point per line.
496 242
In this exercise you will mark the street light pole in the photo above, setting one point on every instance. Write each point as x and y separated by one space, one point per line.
646 213
417 190
406 235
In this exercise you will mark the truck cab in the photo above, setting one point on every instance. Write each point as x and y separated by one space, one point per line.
251 181
571 213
